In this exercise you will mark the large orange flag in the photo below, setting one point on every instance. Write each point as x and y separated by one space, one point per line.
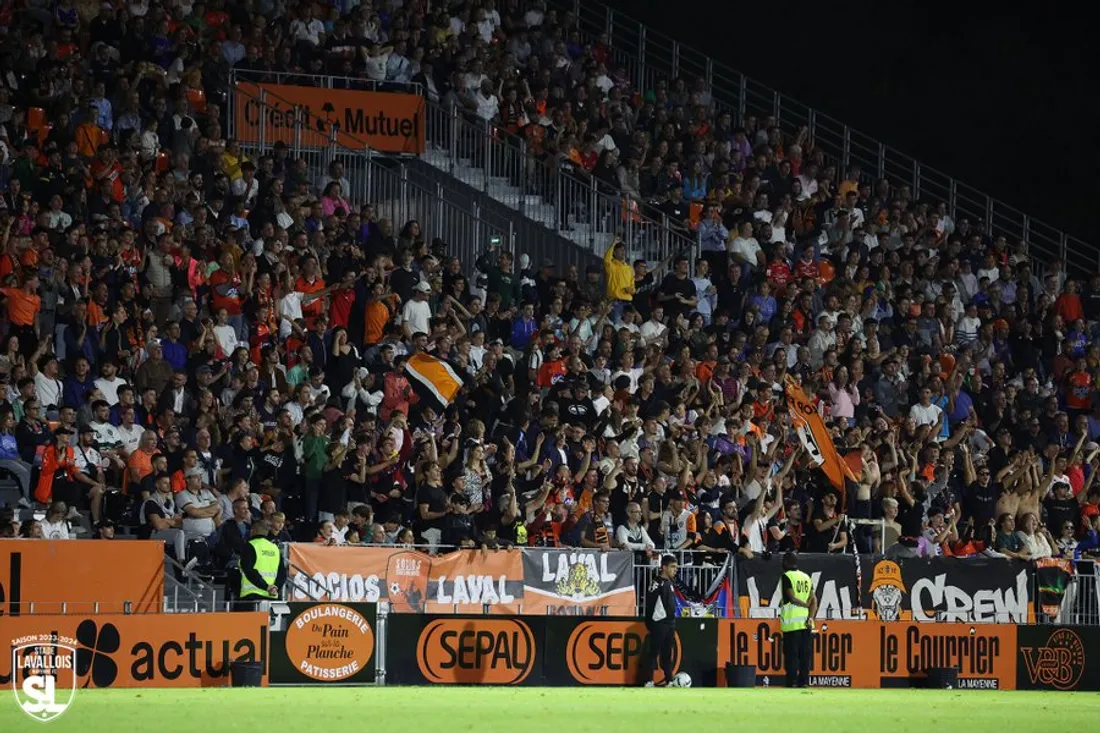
815 437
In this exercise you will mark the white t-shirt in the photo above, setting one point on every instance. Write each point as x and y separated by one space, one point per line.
308 31
418 314
49 391
226 337
88 461
925 415
290 310
110 388
487 106
634 374
375 66
59 531
756 532
747 248
107 435
131 438
652 330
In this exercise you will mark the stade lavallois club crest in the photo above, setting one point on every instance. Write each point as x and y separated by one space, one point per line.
44 675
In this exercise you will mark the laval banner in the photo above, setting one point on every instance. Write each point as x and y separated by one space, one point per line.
970 590
528 580
324 642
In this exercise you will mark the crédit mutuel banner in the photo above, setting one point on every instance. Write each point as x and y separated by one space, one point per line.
527 580
965 590
312 117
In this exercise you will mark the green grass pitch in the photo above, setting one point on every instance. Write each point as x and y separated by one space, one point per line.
558 709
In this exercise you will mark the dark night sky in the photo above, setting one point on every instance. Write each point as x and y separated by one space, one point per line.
1005 104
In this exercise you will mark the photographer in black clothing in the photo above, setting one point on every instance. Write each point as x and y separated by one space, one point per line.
660 622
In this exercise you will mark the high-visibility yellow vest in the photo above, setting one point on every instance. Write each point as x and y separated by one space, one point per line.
267 565
791 616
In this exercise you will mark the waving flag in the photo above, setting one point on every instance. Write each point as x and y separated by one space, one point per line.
716 601
815 437
433 379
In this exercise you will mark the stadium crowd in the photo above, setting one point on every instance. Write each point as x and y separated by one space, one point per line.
193 339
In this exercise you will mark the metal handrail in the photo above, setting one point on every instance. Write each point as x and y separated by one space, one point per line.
649 56
196 598
302 574
574 199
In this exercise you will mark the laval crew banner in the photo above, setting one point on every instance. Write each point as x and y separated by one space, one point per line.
868 654
528 580
309 116
138 650
81 577
964 590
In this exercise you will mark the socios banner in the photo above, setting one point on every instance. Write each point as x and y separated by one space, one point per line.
51 576
141 650
965 590
324 642
870 654
516 581
310 116
1057 658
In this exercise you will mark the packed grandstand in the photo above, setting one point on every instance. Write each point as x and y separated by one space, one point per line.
198 334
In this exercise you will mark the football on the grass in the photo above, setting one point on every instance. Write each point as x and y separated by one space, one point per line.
681 680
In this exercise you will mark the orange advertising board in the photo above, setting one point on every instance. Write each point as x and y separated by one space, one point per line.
56 576
870 654
310 116
144 650
329 642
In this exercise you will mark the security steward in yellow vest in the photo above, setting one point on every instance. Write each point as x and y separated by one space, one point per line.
262 570
796 621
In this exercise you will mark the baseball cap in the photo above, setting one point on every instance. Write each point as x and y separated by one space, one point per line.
422 287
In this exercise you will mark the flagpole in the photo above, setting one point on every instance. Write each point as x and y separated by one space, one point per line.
859 570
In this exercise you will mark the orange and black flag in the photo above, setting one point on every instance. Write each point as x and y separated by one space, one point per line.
816 439
433 379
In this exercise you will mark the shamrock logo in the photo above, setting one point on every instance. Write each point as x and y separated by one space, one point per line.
94 655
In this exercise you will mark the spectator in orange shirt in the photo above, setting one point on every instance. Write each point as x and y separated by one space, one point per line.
23 307
89 135
140 463
310 282
377 313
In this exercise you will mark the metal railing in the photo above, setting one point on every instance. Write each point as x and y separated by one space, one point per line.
547 188
569 203
649 56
